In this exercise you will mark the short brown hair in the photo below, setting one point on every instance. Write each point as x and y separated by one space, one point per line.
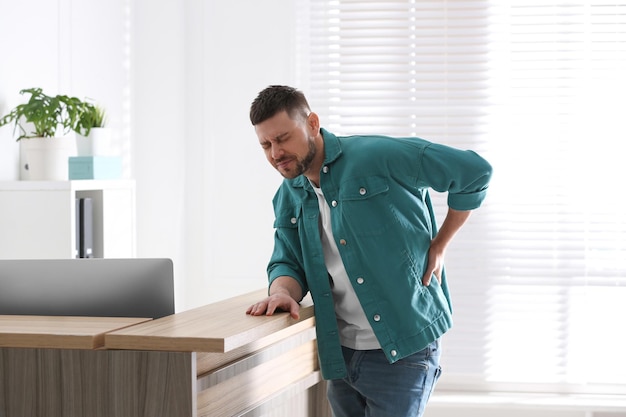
277 98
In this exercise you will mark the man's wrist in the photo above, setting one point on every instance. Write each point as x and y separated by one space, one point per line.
277 291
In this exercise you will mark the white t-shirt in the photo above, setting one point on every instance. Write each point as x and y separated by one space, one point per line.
355 331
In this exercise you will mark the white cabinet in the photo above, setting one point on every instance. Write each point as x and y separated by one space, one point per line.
38 218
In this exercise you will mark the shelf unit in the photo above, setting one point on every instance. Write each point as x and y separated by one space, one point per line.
38 218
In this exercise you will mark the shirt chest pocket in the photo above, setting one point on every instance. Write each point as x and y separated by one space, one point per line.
365 205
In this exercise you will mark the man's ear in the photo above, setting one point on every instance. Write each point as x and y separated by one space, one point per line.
313 123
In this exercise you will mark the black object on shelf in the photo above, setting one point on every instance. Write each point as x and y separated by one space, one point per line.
84 228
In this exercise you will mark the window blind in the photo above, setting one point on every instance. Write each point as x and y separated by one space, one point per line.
538 275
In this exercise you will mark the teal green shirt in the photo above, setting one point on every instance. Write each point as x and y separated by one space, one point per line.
383 222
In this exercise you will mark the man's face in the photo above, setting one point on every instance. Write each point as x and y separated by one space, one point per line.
288 144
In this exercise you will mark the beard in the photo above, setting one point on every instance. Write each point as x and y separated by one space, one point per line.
302 165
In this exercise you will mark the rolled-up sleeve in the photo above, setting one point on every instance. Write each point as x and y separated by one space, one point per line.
463 174
284 262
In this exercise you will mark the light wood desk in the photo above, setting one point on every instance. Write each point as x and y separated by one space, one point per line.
59 332
211 361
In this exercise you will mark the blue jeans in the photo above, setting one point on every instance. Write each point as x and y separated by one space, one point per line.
376 388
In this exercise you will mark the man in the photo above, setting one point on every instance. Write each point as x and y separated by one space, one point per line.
355 227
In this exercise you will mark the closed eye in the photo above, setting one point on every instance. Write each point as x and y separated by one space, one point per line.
277 140
282 138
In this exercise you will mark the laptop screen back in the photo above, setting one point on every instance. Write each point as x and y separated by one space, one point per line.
96 287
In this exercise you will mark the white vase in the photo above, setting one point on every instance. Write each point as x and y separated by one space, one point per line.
98 143
46 159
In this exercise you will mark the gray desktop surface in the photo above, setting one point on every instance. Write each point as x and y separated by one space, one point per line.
133 287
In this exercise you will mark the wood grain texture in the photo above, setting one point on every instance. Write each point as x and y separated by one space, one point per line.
290 394
247 361
96 383
211 361
251 388
219 327
294 401
59 332
208 362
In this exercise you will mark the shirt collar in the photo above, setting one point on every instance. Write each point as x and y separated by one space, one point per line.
332 151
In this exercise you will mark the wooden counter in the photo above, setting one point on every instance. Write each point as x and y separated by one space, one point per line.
219 327
59 332
211 361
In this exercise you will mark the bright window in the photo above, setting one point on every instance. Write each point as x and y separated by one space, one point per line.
538 276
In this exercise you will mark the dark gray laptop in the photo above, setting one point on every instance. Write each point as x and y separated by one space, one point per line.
134 287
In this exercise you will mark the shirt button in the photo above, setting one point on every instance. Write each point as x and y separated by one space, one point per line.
360 280
342 241
376 317
362 191
334 203
293 220
394 353
325 170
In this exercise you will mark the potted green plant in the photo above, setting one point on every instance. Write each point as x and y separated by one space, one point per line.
94 138
45 116
42 125
94 117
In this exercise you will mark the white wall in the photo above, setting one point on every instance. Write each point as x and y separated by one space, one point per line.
177 78
204 189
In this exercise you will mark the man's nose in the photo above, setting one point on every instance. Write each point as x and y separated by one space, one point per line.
277 151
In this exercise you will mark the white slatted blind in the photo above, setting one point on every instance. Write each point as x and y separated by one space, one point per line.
538 276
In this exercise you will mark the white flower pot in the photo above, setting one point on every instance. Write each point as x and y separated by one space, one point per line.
46 159
98 143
